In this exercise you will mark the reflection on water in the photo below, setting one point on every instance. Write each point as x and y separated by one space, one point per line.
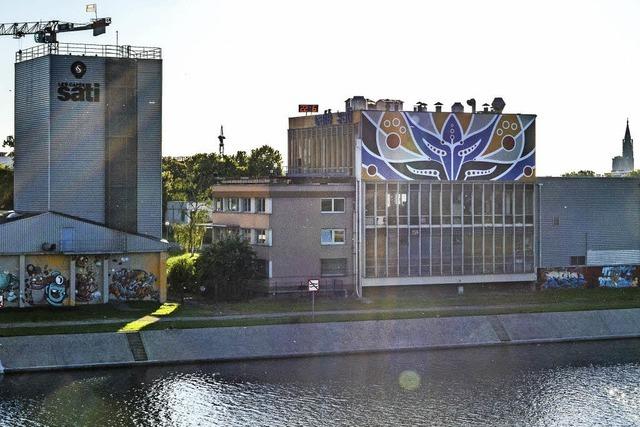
557 384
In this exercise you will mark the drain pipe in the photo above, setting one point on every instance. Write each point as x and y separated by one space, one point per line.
539 225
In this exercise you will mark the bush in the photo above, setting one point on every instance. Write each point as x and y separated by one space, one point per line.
181 272
226 269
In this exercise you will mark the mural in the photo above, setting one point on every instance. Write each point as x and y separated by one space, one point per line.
132 278
9 282
46 281
447 146
623 276
88 280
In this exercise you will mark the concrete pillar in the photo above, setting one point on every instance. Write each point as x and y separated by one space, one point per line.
105 280
162 276
22 274
72 281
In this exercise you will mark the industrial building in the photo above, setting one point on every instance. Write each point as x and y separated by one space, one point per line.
87 225
379 196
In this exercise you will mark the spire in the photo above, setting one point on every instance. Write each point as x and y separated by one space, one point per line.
627 133
221 138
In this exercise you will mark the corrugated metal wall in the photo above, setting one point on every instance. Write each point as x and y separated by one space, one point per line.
77 142
27 236
32 134
580 214
150 147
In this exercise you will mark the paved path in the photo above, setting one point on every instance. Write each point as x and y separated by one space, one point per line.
278 315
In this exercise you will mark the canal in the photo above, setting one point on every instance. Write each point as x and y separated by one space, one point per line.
593 383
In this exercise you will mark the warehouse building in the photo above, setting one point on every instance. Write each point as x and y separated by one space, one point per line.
424 197
87 225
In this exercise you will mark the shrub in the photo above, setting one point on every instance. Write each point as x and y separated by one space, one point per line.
181 272
226 269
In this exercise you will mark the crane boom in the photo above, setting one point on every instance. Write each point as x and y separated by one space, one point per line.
46 31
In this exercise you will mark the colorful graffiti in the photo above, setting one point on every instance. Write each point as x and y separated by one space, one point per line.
447 146
88 280
589 277
9 289
43 284
133 285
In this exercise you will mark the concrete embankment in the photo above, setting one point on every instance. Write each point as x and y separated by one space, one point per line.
29 353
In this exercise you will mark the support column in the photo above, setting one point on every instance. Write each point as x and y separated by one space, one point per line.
72 281
162 276
105 280
22 274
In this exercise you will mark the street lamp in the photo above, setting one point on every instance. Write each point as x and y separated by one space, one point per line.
166 230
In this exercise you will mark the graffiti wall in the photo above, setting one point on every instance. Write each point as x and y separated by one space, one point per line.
9 282
47 280
621 276
447 146
89 279
134 277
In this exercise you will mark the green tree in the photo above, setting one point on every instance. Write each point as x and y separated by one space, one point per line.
226 269
9 142
580 173
264 161
6 188
181 273
189 236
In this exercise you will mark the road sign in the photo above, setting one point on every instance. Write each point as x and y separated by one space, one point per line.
314 285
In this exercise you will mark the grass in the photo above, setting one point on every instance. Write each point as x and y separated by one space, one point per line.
434 303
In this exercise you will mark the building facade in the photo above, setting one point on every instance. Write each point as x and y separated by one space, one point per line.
87 225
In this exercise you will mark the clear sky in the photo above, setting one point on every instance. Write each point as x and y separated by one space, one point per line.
248 64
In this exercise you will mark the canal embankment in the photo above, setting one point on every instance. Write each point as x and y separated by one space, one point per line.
168 346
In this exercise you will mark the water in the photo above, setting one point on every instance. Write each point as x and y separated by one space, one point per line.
552 384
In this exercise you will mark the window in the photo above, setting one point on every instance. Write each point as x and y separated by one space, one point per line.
246 205
332 205
332 236
556 220
333 267
233 204
261 204
245 234
578 260
219 205
261 236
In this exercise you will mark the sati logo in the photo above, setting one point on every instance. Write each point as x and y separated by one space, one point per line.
78 69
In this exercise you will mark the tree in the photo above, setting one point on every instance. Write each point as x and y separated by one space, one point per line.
226 269
181 273
580 173
6 188
189 236
9 142
264 161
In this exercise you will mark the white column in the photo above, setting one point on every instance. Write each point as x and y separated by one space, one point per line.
23 277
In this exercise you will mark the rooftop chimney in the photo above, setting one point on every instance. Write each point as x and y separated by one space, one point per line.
498 105
485 107
420 106
438 107
457 108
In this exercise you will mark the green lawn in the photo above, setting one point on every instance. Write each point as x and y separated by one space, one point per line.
475 301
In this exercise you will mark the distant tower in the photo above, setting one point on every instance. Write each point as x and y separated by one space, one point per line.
622 165
221 138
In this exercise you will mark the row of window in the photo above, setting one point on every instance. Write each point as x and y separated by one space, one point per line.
255 236
242 204
332 205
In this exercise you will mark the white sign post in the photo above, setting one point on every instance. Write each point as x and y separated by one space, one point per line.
314 286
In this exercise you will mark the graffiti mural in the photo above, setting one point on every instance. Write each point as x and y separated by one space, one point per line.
88 280
447 146
45 285
622 276
9 282
131 278
589 277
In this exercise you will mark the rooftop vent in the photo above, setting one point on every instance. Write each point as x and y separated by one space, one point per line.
438 107
420 106
457 108
472 103
498 105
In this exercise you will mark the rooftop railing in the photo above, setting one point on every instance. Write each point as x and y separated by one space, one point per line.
319 172
82 49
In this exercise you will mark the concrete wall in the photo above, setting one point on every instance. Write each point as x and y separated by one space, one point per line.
297 340
590 213
135 277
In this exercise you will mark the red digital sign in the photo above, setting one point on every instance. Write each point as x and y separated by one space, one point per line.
307 108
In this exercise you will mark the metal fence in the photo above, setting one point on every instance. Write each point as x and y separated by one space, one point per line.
82 49
319 172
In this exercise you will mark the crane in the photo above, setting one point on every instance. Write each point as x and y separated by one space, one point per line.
47 31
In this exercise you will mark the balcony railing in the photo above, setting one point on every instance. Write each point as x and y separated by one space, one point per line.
82 49
319 172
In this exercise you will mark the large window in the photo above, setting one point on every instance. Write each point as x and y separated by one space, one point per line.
233 204
332 205
332 236
261 204
450 228
333 267
246 205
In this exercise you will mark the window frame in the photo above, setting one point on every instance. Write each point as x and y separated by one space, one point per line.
337 274
333 232
333 205
258 205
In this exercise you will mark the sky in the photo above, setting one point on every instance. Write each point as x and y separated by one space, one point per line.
248 64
